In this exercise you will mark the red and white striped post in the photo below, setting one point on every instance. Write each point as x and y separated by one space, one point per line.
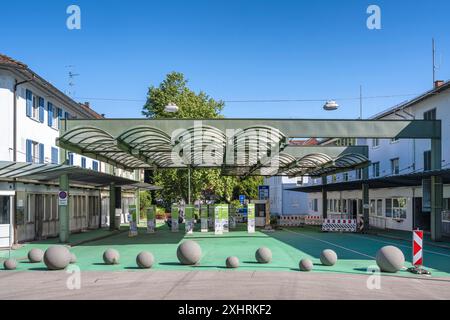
417 248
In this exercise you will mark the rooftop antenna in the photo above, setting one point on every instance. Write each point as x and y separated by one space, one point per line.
434 60
71 82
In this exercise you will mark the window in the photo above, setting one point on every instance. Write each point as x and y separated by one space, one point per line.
344 206
55 157
372 207
95 165
333 178
376 169
379 207
314 205
70 158
375 142
83 162
52 119
35 106
358 173
395 169
31 205
34 152
388 211
430 114
345 176
396 208
399 208
427 160
346 142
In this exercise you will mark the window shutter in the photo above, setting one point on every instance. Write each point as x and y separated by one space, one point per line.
41 110
29 153
54 155
50 114
41 153
29 102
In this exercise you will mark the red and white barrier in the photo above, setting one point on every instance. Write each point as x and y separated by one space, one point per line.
417 248
339 225
313 220
291 220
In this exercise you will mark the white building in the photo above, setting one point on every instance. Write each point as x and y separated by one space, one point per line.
398 207
284 201
31 109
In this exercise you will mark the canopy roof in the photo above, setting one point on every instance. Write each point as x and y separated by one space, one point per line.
236 146
52 172
404 180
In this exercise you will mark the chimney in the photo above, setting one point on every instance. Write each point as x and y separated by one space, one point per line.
438 83
87 104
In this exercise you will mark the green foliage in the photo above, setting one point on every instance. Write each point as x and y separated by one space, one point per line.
174 90
145 201
206 184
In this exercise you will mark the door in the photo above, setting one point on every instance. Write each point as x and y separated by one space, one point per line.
5 221
39 217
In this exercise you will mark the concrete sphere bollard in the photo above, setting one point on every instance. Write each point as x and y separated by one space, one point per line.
35 255
189 252
328 257
73 258
111 256
57 257
305 265
10 264
232 262
263 255
145 260
390 259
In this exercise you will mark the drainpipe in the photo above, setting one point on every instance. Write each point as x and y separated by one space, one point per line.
16 85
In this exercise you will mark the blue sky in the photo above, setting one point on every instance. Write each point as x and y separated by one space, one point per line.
234 50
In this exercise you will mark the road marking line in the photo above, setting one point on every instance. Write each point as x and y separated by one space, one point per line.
333 244
400 245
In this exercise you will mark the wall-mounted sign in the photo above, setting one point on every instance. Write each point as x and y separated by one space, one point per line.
62 198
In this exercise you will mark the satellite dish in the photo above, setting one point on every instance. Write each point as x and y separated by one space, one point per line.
330 105
171 107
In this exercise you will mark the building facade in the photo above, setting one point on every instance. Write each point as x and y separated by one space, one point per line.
31 114
397 207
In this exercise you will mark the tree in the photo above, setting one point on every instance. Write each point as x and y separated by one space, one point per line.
145 201
205 183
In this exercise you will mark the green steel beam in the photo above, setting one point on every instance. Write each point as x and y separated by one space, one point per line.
291 128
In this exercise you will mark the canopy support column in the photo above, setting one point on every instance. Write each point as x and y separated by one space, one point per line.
436 191
324 198
365 192
63 210
112 206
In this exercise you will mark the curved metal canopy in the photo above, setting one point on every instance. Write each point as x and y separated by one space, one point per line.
254 150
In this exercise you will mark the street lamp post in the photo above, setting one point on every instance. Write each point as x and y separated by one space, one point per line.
173 108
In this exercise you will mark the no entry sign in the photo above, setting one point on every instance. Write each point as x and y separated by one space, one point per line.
62 198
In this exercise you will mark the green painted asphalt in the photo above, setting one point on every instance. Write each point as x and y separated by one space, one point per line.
356 252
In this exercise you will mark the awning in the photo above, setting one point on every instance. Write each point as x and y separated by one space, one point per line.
404 180
257 149
51 172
